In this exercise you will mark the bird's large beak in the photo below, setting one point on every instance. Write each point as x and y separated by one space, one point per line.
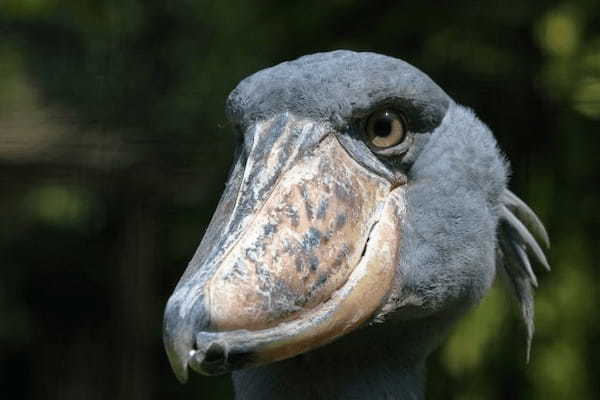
301 250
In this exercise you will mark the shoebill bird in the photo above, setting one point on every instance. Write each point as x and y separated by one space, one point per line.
365 212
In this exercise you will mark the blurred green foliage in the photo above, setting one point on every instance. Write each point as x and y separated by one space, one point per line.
114 149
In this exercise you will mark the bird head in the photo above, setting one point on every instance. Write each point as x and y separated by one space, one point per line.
360 194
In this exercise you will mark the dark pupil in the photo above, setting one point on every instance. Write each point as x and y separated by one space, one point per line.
382 127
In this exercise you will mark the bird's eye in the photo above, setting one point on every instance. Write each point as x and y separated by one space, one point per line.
385 128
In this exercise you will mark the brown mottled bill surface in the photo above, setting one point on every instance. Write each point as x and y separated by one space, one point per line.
302 244
303 273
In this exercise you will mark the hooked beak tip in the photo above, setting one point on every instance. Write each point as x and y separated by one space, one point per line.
178 341
181 372
180 324
179 356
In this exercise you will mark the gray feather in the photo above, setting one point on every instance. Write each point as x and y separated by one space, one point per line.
516 256
514 238
517 228
526 215
521 284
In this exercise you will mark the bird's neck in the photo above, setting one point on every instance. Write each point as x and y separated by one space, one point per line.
308 377
369 364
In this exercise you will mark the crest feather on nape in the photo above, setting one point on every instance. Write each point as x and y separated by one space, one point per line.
519 235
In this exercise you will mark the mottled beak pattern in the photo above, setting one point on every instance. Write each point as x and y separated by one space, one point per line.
303 249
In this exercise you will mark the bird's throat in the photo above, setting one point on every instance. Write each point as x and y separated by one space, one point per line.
368 364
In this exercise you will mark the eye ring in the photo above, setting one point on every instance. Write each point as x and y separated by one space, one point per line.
385 128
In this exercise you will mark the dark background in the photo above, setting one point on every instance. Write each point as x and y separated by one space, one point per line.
114 149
